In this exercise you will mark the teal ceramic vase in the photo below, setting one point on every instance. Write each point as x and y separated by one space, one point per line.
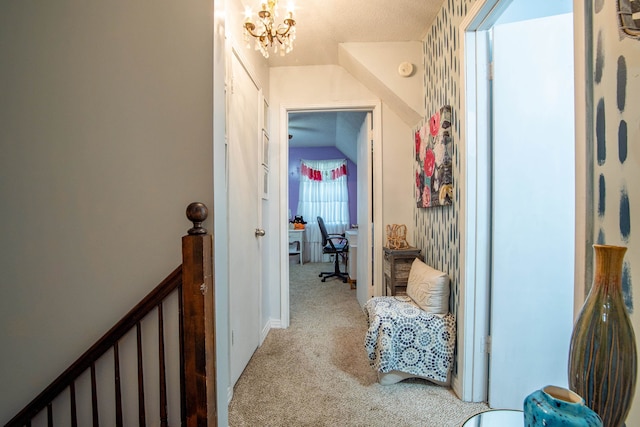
602 355
558 407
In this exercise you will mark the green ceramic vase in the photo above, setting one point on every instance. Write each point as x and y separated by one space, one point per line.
602 356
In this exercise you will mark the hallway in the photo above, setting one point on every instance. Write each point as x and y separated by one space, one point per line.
316 372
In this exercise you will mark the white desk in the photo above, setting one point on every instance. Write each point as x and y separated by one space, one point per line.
296 236
352 237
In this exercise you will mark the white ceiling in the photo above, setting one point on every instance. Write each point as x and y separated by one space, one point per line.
323 24
326 129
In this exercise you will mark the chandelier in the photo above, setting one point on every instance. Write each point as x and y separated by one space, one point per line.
267 34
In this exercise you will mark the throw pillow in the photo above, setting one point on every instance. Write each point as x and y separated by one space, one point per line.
429 288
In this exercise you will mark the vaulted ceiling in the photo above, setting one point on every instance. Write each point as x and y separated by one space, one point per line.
325 129
321 25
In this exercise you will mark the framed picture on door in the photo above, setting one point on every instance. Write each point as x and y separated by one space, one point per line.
265 150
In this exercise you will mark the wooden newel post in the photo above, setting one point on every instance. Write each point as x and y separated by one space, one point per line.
198 374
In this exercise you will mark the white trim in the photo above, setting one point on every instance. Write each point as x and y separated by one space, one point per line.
474 296
229 395
271 324
377 202
376 108
284 217
583 111
264 332
275 324
221 55
471 382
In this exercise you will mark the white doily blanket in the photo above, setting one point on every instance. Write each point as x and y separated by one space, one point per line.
405 338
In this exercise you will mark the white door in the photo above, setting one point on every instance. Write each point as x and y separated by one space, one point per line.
533 213
244 219
364 282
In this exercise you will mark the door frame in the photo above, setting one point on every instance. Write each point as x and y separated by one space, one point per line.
471 384
375 204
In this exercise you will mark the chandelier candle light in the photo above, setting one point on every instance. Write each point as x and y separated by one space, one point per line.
267 34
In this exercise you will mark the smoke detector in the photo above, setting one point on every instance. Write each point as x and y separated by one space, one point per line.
405 69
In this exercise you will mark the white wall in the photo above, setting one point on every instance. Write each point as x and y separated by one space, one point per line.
398 180
326 86
106 130
253 60
382 60
312 85
298 87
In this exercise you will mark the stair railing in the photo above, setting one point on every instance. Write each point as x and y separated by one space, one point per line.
193 281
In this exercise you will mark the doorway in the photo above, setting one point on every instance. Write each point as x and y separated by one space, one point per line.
368 196
321 135
520 218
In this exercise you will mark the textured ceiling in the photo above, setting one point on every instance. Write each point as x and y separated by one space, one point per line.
326 129
322 24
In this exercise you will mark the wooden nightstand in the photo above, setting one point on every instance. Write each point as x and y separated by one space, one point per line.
397 264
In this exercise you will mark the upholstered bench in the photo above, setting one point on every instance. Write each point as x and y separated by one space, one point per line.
413 336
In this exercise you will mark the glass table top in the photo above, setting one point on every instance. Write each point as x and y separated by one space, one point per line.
496 418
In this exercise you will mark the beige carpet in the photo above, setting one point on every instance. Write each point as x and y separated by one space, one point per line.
316 373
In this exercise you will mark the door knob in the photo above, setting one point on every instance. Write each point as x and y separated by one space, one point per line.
260 232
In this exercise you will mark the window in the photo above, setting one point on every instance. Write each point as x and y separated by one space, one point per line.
324 193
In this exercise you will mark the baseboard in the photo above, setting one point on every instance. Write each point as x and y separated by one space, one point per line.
229 395
263 333
456 386
271 324
276 323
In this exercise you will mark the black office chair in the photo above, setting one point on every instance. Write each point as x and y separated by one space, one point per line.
337 245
